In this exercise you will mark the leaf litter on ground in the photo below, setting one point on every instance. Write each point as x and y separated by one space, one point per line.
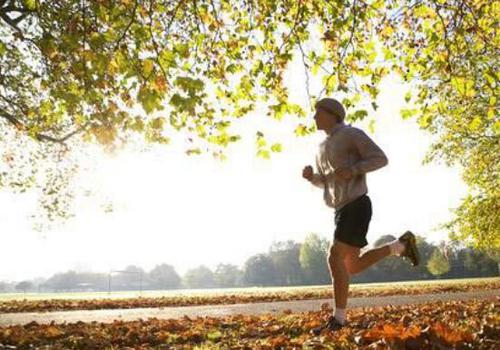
473 324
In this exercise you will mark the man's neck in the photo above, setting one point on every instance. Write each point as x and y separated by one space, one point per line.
334 128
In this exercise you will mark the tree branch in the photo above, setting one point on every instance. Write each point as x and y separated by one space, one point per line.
128 25
344 52
9 8
40 136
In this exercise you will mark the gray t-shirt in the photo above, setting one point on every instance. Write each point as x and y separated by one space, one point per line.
346 146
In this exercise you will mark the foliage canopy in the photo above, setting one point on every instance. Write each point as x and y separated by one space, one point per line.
103 71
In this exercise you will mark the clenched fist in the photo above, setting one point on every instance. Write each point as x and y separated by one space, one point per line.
307 172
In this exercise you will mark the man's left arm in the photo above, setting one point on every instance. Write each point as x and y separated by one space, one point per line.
371 155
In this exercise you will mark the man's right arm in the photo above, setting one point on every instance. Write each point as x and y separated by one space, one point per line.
318 179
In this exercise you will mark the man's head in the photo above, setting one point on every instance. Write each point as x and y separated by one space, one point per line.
329 112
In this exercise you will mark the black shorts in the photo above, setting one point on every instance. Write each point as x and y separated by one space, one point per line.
352 220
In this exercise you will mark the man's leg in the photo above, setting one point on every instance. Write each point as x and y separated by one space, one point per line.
356 263
340 283
344 260
339 253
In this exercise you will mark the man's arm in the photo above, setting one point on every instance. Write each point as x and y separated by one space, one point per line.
317 180
372 156
314 178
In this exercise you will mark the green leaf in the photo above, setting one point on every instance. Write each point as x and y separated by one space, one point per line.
371 126
30 4
262 153
261 142
359 115
424 121
182 49
407 113
149 99
158 123
408 96
167 59
147 66
3 48
276 147
301 130
475 123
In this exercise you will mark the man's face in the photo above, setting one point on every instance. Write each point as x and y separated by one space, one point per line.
323 119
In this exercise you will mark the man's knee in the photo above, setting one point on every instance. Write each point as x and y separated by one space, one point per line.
352 267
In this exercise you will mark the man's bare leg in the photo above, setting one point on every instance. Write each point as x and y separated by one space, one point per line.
339 253
345 260
356 263
340 283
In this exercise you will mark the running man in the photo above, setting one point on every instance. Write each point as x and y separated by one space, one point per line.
344 157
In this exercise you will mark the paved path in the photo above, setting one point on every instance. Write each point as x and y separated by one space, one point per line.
225 310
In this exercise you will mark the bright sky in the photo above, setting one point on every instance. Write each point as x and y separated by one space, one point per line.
187 211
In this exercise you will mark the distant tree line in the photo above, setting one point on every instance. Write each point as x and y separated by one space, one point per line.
286 263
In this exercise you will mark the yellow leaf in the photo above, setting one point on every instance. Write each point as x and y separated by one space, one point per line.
53 332
147 66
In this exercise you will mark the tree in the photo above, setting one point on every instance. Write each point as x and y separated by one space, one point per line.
494 254
259 270
438 264
75 71
63 281
313 259
447 50
24 286
130 278
227 275
285 257
200 277
164 276
72 280
478 264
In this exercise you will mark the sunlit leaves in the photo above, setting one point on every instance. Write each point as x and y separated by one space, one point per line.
357 115
261 146
149 98
3 48
304 130
276 147
455 89
464 86
77 70
147 67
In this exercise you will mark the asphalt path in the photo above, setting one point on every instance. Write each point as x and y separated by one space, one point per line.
110 315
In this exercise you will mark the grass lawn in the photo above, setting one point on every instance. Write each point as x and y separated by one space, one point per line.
131 299
244 290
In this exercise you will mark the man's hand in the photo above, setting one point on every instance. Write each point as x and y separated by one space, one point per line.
343 173
307 173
